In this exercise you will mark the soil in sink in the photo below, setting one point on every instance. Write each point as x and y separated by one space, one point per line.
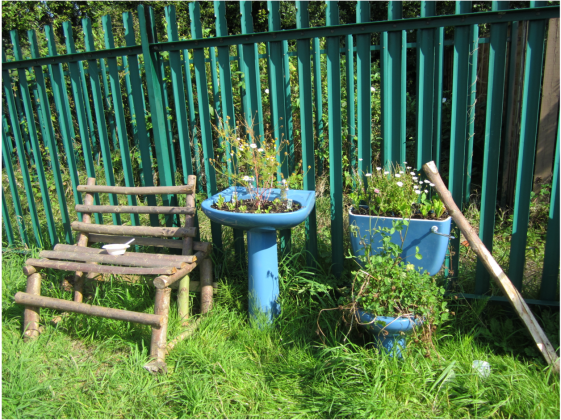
416 214
259 207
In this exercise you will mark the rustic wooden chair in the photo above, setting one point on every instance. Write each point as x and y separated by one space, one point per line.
171 270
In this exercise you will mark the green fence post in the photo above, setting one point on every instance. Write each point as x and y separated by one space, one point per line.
120 116
42 101
139 116
364 113
350 88
91 127
335 140
228 115
288 126
472 91
193 134
437 105
204 114
493 127
548 288
318 101
7 157
61 98
106 95
527 147
32 129
307 128
393 94
16 130
6 218
93 74
458 131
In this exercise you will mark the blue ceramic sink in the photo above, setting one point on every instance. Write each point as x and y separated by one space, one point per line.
263 266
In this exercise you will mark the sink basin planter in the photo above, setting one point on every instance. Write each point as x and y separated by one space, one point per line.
263 268
431 236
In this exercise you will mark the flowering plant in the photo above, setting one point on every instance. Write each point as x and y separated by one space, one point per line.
254 163
399 192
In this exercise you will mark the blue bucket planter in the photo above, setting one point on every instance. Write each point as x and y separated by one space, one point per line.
397 331
263 266
431 236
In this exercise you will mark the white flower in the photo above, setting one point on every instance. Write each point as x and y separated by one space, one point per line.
418 191
431 184
360 160
400 172
239 139
231 153
427 181
409 167
266 90
240 148
420 182
405 162
373 89
426 192
413 173
400 184
284 181
253 146
368 175
397 175
443 100
414 178
378 168
247 178
260 150
386 172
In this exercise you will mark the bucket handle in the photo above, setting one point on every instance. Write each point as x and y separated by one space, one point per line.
434 230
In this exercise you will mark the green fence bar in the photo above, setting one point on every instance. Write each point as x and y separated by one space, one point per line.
117 97
527 147
193 133
318 101
93 75
43 103
138 114
426 65
228 115
7 158
437 105
306 125
107 102
288 126
459 125
350 88
217 106
76 78
247 65
91 127
548 288
204 118
16 131
491 153
335 140
6 218
32 130
21 120
393 94
60 94
474 48
364 112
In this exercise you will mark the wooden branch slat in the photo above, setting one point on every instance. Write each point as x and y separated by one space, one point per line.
191 328
206 286
179 189
85 250
134 230
31 312
94 268
162 282
82 208
494 268
121 260
156 242
159 335
205 247
29 270
83 308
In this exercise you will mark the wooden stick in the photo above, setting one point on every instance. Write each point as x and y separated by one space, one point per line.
82 208
191 327
161 308
206 285
84 267
156 242
82 242
85 250
494 269
31 312
83 308
205 247
180 189
121 260
162 282
183 299
134 230
29 270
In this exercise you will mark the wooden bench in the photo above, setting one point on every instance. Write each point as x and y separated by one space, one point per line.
171 270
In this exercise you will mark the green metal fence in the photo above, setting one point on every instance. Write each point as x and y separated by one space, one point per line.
63 112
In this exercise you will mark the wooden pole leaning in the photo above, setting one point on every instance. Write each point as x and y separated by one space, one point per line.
83 242
183 292
494 269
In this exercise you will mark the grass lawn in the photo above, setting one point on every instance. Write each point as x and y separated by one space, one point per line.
303 367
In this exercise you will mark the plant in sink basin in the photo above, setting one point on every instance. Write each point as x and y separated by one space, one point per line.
386 196
391 299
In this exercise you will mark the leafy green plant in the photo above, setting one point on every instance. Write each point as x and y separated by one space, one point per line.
396 192
387 286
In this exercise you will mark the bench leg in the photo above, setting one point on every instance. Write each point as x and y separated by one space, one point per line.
206 285
183 300
31 313
79 287
159 342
